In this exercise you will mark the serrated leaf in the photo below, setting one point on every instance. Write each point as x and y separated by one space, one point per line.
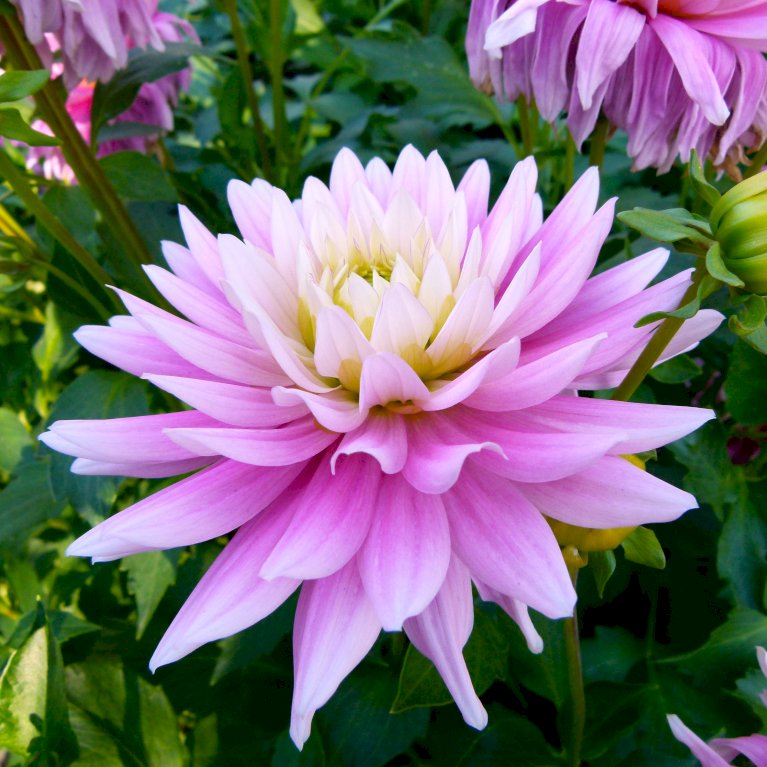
19 84
13 126
602 566
642 547
149 576
33 709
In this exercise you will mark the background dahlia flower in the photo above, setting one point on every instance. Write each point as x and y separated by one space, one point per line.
382 384
95 36
720 752
676 75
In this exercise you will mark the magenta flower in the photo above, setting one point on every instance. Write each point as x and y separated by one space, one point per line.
95 36
382 379
675 75
721 751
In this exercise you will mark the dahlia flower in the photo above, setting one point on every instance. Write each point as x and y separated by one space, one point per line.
95 36
675 75
381 379
721 751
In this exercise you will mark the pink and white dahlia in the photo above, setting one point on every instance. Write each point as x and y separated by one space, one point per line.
721 751
95 36
382 382
675 75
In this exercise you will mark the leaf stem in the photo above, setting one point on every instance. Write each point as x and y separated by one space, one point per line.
56 229
657 345
577 713
276 63
243 59
599 143
89 173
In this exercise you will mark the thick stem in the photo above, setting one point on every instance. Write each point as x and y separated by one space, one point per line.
758 161
77 153
278 88
525 127
657 345
56 229
577 712
599 143
243 59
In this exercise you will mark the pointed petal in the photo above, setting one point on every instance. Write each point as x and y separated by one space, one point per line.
700 750
517 611
387 378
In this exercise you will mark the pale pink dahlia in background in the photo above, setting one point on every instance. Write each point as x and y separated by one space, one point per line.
676 75
95 36
721 751
382 379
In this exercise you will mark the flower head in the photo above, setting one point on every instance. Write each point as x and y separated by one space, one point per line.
382 379
675 75
721 751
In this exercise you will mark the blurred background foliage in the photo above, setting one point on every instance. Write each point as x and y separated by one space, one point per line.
76 638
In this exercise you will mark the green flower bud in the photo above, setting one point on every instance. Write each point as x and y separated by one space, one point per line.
739 223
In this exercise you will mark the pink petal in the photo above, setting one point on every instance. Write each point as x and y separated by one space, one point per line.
338 339
753 747
293 443
208 504
475 186
345 173
382 436
182 263
202 245
230 597
507 544
516 22
441 631
337 411
387 378
330 521
517 611
334 628
405 557
611 493
704 753
251 207
144 469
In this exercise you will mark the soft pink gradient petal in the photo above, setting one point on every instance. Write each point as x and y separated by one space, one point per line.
143 469
230 597
208 504
327 529
506 543
335 626
387 378
700 750
517 611
336 410
383 436
441 631
405 557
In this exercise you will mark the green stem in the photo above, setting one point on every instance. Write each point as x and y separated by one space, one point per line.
569 174
77 153
658 343
243 59
577 712
525 128
55 228
15 314
278 88
598 143
425 17
758 161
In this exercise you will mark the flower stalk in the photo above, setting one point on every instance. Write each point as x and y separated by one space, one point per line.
576 720
91 176
599 143
277 61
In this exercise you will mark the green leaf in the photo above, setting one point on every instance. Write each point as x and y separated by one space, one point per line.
669 225
138 177
56 349
359 730
13 439
26 501
13 126
679 369
33 709
745 385
64 626
17 85
610 655
287 755
718 270
602 566
705 288
421 685
756 339
149 577
642 547
121 719
700 186
750 317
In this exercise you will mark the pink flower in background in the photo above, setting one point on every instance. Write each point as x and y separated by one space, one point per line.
382 378
676 75
721 751
95 36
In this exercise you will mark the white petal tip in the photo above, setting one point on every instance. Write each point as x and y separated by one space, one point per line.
300 729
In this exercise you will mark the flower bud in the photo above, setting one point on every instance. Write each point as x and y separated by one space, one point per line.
739 223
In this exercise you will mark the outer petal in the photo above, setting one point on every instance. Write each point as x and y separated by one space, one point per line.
517 611
406 554
335 626
330 522
506 543
230 597
703 752
441 631
211 503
